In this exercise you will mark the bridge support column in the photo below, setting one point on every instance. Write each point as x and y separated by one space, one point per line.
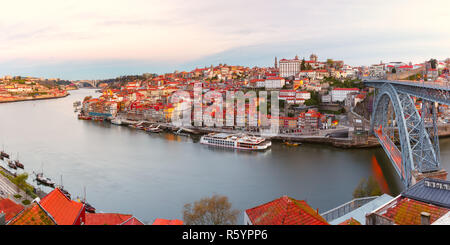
417 176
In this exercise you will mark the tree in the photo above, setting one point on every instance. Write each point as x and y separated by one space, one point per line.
20 181
433 63
394 70
367 188
314 100
215 210
302 66
330 62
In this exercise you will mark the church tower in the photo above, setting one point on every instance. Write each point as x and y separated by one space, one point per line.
276 63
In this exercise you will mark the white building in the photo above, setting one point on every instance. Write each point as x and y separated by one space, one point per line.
305 95
290 67
377 70
340 94
274 83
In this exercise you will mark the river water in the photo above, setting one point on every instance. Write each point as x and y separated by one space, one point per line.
153 176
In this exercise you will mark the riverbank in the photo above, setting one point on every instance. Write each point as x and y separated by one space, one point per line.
30 98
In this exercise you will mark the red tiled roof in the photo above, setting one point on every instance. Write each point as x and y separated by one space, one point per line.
63 210
285 211
350 221
10 208
407 212
352 89
133 221
107 218
33 215
167 222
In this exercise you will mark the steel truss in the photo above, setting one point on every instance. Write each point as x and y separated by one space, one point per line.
418 152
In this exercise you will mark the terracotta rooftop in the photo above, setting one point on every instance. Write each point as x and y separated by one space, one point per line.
285 211
167 222
63 210
111 219
33 215
407 211
133 221
350 221
10 208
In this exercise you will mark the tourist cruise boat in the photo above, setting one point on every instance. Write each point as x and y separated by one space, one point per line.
237 141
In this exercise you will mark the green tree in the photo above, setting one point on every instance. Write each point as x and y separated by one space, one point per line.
314 100
302 66
215 210
21 181
433 63
394 70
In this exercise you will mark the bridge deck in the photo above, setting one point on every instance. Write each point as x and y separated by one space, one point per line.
391 149
423 84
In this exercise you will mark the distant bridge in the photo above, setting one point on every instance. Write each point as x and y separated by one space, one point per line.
413 149
93 83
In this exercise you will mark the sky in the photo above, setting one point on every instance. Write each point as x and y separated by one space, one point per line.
79 39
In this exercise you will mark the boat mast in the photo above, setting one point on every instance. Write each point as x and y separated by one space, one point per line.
84 197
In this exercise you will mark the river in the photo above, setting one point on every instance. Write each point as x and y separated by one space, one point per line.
153 176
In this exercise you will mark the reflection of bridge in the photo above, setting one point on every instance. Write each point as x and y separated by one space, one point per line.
414 147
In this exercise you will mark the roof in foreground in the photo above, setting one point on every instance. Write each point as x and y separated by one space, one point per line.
33 215
10 208
285 211
406 211
167 222
111 219
359 214
63 210
434 191
350 221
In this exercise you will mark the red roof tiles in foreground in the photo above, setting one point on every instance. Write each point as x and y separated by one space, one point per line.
111 219
33 215
167 222
407 212
350 221
9 208
63 210
285 211
133 221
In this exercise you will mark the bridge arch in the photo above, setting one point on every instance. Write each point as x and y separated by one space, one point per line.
417 152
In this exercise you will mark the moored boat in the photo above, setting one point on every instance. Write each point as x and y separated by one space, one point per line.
288 143
116 121
12 165
4 154
153 129
19 164
43 180
237 141
83 117
89 207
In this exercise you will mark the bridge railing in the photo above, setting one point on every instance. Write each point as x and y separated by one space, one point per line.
346 208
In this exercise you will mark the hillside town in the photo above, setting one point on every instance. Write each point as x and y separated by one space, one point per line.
30 88
316 98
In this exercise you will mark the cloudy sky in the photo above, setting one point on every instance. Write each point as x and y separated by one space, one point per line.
80 39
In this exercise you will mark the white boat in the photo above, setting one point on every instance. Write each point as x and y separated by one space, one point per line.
152 129
116 121
237 141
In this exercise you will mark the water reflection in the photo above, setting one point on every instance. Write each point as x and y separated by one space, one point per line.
379 177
